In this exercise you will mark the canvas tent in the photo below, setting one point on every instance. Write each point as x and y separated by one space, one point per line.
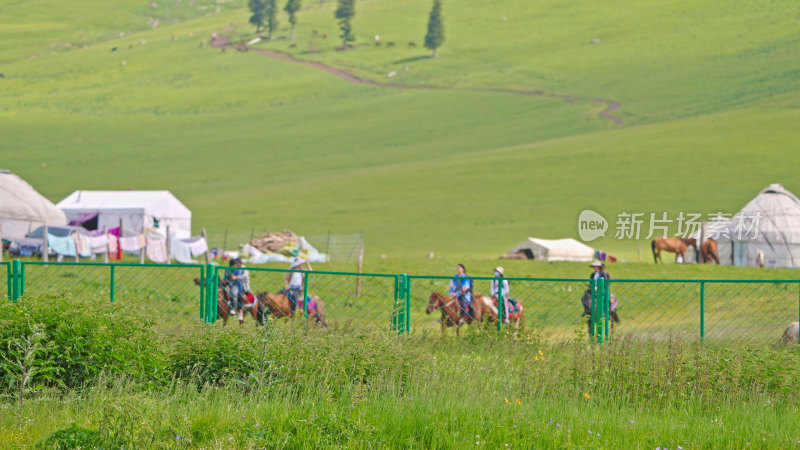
769 223
554 250
140 211
22 209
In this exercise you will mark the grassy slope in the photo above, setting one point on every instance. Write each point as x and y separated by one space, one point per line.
247 141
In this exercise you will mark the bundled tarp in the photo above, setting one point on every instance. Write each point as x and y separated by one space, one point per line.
22 209
281 247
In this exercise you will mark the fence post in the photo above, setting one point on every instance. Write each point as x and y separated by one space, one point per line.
702 311
500 304
305 294
606 308
202 292
593 300
16 282
408 302
112 284
212 296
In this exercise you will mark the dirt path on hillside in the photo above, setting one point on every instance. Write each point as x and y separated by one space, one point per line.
223 42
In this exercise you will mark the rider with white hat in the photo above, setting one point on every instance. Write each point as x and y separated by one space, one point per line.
505 291
294 282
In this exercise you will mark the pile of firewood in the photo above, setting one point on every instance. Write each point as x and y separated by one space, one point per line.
274 242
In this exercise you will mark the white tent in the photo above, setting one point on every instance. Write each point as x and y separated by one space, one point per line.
22 209
770 223
140 211
554 250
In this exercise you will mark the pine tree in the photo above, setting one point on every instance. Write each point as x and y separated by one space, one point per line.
435 36
345 12
292 6
271 14
257 8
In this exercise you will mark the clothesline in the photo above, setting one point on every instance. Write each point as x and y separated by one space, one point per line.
154 246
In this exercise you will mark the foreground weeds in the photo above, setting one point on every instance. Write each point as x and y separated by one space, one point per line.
290 386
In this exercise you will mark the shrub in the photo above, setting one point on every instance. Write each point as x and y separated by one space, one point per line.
82 337
72 437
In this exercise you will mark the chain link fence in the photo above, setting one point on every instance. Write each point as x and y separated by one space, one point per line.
708 310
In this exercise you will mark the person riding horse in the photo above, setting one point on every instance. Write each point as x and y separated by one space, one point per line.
599 271
461 289
238 283
294 283
505 291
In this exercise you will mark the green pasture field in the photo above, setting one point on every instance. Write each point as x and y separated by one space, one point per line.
708 98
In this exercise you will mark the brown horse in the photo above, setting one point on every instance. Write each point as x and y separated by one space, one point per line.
709 251
491 312
671 244
451 310
280 306
254 307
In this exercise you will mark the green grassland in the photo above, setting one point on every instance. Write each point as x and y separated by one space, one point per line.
708 98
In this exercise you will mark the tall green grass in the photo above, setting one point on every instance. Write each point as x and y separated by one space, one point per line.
355 387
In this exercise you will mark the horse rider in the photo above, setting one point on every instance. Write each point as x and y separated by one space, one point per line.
294 282
239 282
461 289
500 273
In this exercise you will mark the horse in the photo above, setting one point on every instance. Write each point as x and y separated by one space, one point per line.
709 251
516 318
586 300
280 306
254 307
671 244
451 310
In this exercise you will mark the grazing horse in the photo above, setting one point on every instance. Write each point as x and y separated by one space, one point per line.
253 306
280 306
671 244
709 251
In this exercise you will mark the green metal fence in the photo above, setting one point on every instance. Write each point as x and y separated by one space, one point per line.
708 310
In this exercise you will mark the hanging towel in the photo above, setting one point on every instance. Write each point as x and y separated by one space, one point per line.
64 246
197 245
114 231
113 247
132 244
99 243
82 245
156 248
180 251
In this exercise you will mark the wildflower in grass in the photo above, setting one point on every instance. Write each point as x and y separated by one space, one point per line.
411 398
632 421
558 425
362 414
519 402
535 358
590 431
569 431
586 395
508 402
598 434
230 438
551 420
178 437
540 352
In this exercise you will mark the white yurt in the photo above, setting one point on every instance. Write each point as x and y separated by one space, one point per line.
22 209
769 224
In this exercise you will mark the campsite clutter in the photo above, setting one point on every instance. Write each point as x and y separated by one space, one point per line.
280 247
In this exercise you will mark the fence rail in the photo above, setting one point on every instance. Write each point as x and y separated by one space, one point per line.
706 310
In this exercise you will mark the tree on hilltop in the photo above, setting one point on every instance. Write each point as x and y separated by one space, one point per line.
435 36
292 6
257 7
345 12
271 13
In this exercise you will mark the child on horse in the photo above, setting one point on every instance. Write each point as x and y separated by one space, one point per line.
461 289
508 302
294 283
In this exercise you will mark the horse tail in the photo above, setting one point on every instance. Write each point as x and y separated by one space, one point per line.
653 248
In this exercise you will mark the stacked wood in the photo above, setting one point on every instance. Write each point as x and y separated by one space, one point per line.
275 242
